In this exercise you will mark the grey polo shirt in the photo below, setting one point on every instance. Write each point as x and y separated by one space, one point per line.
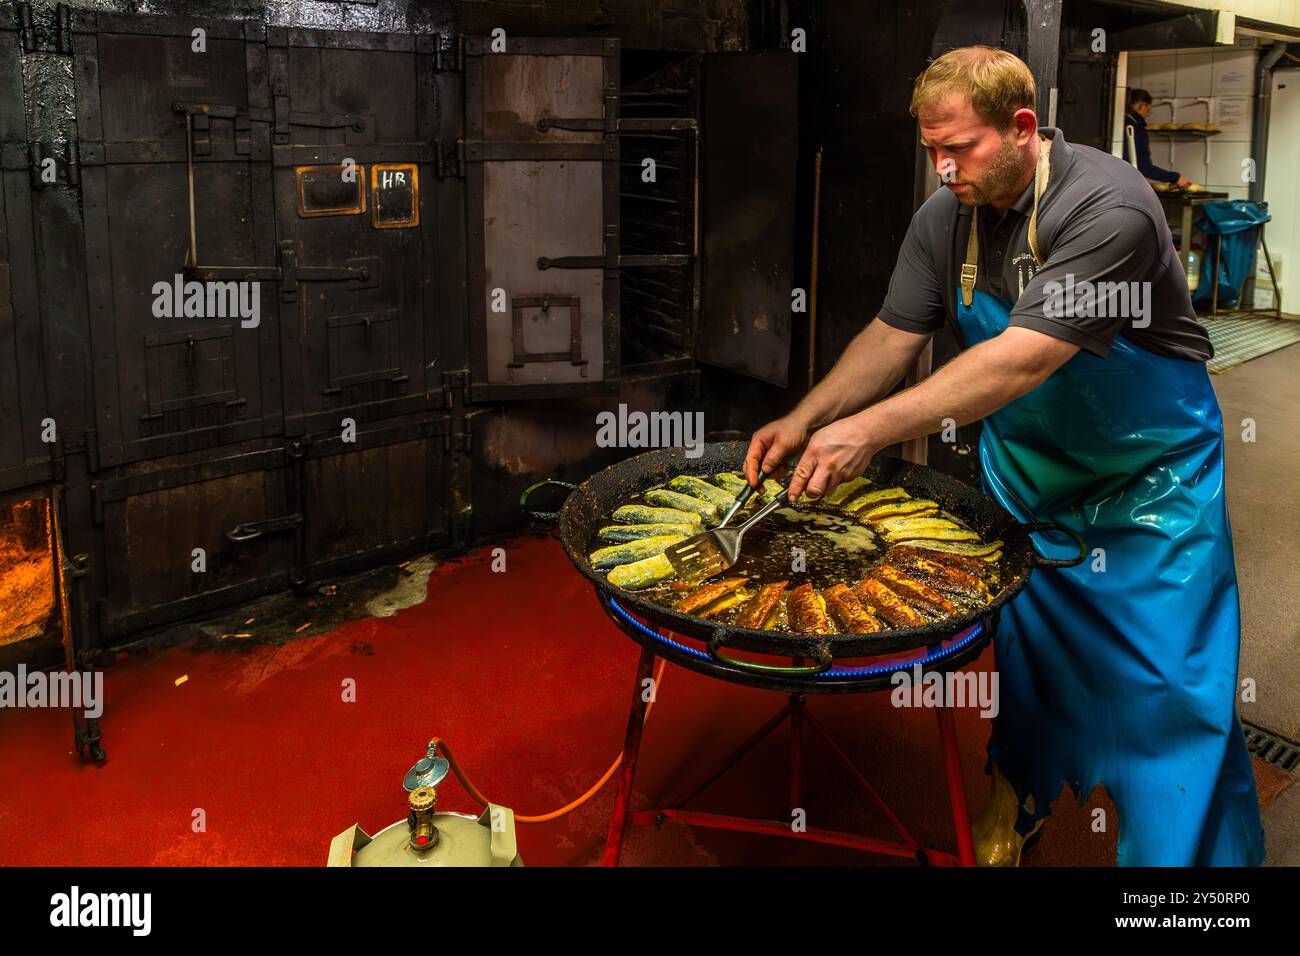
1111 267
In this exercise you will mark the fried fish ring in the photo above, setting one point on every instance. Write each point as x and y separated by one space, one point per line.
807 611
848 611
708 593
918 552
886 605
762 606
917 591
943 577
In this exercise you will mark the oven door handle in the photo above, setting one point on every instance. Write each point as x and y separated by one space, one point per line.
822 648
252 530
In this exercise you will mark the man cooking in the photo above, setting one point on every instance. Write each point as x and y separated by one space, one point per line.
1120 671
1135 125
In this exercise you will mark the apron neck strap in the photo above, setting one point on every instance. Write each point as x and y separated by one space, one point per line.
970 268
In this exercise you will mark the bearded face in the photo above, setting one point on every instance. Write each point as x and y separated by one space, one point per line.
999 180
977 162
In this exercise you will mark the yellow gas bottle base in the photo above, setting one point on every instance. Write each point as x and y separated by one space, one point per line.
463 840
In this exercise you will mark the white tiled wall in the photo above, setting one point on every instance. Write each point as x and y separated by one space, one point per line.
1191 86
1281 188
1181 76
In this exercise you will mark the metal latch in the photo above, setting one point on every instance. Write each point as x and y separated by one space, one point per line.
251 530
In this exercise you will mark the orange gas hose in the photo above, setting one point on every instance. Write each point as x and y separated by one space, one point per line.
445 749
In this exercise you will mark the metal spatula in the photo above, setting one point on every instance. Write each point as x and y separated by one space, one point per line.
706 554
742 498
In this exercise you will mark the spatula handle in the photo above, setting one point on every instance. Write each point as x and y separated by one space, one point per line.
744 496
777 501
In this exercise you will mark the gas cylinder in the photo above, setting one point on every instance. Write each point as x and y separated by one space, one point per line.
427 837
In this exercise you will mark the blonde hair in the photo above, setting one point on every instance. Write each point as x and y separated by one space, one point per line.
996 82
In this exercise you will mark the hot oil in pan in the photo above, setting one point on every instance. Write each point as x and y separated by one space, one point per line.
835 547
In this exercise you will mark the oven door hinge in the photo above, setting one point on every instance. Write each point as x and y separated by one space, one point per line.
455 396
453 381
457 436
76 565
62 30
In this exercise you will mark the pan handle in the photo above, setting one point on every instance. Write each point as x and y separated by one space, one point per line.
824 660
1041 562
544 515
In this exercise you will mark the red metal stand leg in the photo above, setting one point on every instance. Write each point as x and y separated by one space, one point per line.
631 747
956 786
796 752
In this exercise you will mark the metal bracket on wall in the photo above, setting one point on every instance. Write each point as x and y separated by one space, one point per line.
200 115
62 30
449 159
453 381
67 164
449 54
363 271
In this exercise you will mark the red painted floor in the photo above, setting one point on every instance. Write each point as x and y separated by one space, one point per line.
522 673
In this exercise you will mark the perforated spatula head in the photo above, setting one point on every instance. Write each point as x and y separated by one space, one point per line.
713 551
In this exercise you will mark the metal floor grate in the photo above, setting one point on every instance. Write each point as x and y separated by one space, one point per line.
1238 340
1270 748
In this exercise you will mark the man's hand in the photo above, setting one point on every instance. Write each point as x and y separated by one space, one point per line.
1183 182
874 362
773 444
836 453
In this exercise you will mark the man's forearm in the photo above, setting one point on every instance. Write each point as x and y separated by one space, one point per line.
874 362
972 386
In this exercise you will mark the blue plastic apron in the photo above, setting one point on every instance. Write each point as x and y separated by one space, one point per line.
1125 676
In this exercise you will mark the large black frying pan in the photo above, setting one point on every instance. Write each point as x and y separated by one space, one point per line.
589 506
